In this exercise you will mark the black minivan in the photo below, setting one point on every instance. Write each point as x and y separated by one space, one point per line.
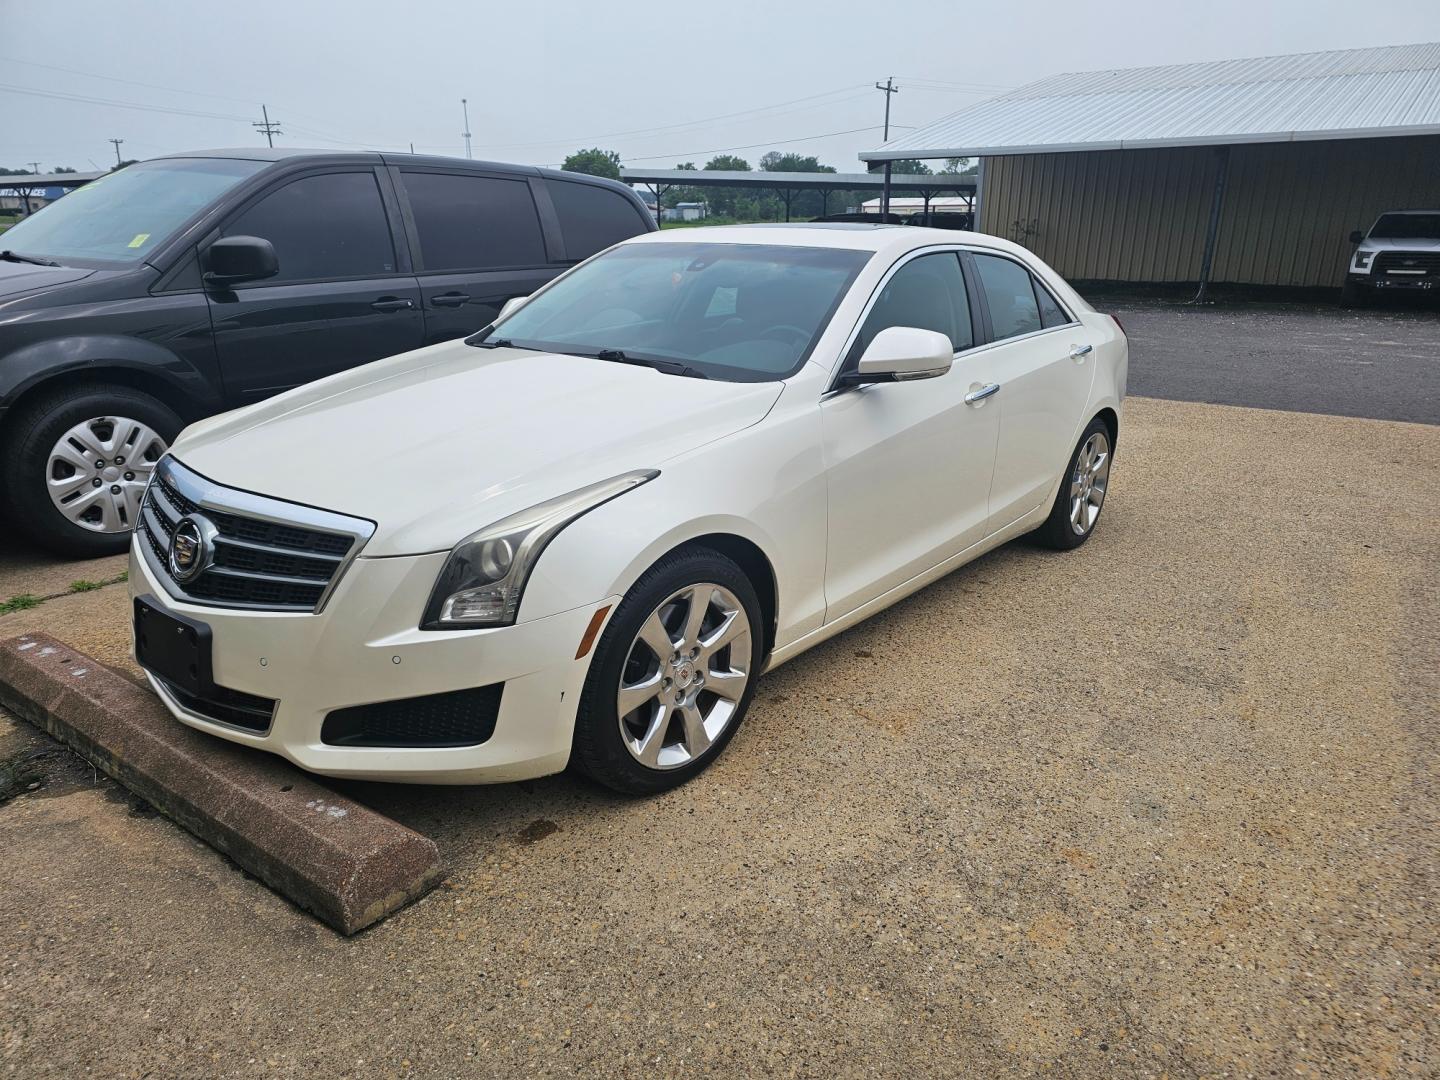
186 285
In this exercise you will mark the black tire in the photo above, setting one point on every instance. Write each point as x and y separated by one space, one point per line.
599 750
1059 532
1354 296
25 445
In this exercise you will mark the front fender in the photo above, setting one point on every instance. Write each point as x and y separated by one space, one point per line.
25 367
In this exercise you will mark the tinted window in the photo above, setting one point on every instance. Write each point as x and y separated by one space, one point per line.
323 227
593 217
1011 296
474 222
1051 313
928 293
1406 227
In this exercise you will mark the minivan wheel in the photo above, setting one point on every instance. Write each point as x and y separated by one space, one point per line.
75 464
673 675
1081 497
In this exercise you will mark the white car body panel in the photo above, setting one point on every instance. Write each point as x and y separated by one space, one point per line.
854 498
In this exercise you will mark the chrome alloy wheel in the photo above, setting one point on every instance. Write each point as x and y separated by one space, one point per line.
684 676
97 472
1087 486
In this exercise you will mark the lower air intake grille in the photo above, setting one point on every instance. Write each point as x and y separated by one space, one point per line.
459 718
226 706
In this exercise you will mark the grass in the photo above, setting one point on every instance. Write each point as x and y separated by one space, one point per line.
23 602
26 601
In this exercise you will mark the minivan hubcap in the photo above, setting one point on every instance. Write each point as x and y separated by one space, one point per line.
1087 486
97 472
684 676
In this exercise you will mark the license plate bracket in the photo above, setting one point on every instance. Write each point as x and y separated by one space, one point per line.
173 648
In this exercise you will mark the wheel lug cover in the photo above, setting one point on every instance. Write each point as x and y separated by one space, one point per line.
95 482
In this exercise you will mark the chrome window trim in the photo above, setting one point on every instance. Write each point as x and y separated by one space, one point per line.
209 495
1035 279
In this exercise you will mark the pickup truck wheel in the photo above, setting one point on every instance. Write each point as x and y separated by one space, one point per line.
673 675
1354 296
75 462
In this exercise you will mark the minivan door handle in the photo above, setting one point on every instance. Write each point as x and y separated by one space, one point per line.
393 303
1079 352
450 299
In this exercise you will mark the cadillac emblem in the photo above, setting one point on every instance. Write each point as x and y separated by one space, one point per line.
192 546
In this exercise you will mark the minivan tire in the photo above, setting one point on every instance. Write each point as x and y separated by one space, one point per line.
25 445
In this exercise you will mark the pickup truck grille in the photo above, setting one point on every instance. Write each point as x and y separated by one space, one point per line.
1403 264
258 553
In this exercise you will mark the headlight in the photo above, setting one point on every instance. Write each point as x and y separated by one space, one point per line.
485 575
1362 259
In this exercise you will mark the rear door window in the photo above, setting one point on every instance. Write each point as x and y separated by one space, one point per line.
1051 313
1010 295
323 227
593 217
474 222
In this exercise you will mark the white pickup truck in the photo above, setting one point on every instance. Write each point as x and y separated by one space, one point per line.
1401 251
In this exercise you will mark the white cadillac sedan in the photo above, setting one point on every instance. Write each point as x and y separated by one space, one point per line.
580 536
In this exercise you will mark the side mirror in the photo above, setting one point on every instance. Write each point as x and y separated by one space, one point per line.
1357 236
232 259
902 353
510 305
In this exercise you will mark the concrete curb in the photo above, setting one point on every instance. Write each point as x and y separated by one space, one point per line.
330 855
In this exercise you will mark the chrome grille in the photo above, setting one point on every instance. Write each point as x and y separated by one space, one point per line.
264 553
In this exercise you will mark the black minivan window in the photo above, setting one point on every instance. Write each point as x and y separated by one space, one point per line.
593 217
323 227
474 222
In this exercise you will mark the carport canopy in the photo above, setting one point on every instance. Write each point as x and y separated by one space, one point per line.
785 184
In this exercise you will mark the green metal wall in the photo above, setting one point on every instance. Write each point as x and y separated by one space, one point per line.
1140 215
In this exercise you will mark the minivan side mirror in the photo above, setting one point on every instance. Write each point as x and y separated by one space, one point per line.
233 259
510 305
1357 236
902 353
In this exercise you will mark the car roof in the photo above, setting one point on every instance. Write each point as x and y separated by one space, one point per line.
856 236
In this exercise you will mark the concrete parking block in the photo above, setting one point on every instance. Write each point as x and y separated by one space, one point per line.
347 864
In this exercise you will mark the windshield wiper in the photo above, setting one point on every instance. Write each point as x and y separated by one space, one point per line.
669 367
15 256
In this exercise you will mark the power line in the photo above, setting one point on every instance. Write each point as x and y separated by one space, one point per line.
271 128
128 82
753 146
86 100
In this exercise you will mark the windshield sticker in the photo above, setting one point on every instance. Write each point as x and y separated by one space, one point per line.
139 240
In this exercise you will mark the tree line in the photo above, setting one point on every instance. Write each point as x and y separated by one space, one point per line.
745 205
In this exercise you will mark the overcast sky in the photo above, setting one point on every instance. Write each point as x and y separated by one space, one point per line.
659 83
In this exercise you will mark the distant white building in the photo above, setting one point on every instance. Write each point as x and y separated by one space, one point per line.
955 204
685 211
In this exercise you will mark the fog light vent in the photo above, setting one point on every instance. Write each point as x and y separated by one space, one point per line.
458 718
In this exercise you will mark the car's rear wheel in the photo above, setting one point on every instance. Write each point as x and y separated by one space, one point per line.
1081 497
673 675
75 464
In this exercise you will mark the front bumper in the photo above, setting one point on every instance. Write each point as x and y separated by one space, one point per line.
366 647
1386 282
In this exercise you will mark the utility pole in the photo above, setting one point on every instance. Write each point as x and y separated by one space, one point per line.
464 104
271 128
34 167
117 143
889 88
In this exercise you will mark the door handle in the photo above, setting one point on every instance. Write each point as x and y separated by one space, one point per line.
393 303
1079 352
450 299
977 396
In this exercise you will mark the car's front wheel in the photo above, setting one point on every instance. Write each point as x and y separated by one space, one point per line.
673 674
74 464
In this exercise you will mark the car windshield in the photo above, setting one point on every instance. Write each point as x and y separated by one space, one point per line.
739 312
125 215
1407 227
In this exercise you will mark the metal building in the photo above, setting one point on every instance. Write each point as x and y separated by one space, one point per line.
1243 171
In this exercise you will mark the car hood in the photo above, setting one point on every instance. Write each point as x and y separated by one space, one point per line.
19 278
435 444
1402 243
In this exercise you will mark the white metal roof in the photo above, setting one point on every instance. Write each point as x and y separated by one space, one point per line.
1346 94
